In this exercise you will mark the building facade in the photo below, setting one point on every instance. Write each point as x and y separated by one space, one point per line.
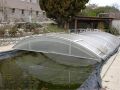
90 23
21 11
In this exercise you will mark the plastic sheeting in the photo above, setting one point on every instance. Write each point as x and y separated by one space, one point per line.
89 46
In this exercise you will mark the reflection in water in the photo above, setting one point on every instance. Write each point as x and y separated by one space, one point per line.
35 71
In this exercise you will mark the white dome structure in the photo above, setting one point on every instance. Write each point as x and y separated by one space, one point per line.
72 49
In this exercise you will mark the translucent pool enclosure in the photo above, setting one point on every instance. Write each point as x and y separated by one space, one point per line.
72 49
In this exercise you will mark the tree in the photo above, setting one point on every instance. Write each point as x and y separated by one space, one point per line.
62 11
116 5
94 12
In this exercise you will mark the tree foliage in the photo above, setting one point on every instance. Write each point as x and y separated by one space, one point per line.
96 11
62 10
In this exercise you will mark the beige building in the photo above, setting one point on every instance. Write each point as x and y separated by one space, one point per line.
21 11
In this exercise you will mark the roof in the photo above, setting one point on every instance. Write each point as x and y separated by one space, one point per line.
90 46
19 4
93 18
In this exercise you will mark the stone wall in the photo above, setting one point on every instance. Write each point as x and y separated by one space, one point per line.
21 11
116 24
20 15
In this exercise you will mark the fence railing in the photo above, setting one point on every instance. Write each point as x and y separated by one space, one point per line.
8 41
83 30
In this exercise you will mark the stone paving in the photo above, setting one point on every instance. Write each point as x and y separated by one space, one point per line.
6 48
110 73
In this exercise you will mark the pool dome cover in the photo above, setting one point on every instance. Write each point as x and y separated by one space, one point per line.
95 46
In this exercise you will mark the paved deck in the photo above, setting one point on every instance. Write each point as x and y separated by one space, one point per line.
6 48
111 73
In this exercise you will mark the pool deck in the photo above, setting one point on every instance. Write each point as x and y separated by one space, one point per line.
6 48
110 73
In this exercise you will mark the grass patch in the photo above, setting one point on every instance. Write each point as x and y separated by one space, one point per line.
53 28
113 30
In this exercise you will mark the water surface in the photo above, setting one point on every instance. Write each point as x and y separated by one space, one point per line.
35 71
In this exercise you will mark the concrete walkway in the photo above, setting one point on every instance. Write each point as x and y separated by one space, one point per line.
110 73
6 48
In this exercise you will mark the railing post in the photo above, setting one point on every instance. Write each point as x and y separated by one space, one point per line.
75 25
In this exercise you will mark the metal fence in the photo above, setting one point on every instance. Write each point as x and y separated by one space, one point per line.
9 40
83 30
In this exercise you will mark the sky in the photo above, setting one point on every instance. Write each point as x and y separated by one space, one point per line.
105 2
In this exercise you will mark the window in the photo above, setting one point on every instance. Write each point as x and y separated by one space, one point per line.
13 10
23 11
30 12
44 13
34 1
37 13
28 0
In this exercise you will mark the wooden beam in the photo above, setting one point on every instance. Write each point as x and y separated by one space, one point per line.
75 25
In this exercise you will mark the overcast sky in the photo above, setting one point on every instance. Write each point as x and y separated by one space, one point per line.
105 2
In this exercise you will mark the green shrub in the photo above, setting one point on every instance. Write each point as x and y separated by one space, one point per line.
2 31
13 31
53 28
28 27
113 31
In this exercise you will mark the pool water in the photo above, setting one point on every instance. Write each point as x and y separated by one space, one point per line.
35 71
